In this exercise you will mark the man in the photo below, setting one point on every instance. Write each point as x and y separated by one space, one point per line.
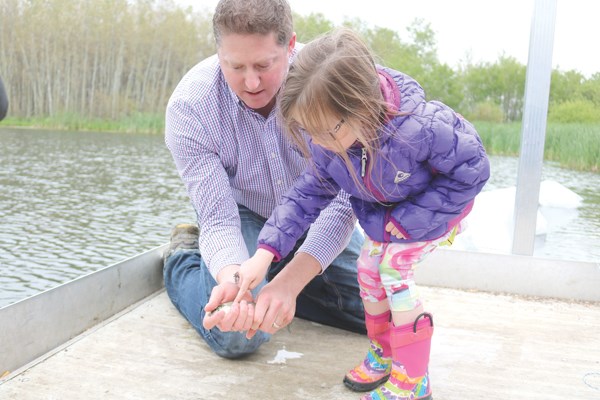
3 101
236 163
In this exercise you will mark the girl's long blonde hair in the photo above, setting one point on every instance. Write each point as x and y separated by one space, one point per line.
334 76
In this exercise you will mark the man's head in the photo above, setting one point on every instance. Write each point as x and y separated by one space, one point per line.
246 17
254 42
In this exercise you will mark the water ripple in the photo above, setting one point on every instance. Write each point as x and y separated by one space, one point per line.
72 203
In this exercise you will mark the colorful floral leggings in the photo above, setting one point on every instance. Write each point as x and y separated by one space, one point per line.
387 270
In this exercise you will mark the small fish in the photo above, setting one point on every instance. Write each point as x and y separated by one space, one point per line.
224 306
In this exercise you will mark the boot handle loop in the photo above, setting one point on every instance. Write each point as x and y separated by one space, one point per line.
425 315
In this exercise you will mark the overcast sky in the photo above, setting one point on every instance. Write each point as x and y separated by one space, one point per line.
479 30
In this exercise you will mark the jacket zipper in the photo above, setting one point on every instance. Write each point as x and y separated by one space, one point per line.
366 178
363 163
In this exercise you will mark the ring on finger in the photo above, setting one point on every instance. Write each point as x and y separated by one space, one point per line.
276 325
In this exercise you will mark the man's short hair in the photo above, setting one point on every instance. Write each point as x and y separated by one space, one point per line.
253 17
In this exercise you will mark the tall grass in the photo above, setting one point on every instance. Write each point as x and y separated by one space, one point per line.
573 145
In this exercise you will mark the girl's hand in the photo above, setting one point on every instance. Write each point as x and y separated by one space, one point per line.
394 231
252 272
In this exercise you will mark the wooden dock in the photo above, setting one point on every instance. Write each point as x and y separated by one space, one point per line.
485 346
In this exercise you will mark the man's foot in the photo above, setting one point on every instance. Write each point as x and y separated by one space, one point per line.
183 237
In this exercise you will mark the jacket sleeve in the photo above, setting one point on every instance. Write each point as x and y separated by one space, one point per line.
460 168
312 192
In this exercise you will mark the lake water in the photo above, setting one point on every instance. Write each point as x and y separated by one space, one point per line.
73 202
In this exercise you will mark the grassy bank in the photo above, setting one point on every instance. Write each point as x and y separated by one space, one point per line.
137 123
574 146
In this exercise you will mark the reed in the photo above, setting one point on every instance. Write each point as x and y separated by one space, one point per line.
573 145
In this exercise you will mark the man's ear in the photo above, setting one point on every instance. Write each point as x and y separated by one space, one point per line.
292 43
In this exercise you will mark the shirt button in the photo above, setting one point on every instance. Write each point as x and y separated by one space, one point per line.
273 155
279 182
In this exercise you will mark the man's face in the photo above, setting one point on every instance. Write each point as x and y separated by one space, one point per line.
254 66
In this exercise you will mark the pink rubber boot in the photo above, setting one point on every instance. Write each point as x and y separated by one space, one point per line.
409 379
375 368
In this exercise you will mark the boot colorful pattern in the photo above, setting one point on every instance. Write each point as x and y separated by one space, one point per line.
402 387
374 367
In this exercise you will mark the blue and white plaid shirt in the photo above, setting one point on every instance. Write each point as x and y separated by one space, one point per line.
227 154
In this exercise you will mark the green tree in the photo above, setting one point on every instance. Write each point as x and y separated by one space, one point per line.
565 86
502 83
581 111
110 59
97 59
310 26
590 89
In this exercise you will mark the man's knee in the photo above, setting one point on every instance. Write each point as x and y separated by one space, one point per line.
233 345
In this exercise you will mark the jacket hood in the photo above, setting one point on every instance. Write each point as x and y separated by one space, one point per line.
402 93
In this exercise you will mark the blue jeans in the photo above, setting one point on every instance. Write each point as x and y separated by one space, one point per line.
330 299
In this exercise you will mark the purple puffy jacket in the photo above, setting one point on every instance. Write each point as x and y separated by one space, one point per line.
424 179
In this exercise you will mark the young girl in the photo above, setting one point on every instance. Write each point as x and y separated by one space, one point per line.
412 168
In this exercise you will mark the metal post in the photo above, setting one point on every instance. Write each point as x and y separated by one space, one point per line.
533 130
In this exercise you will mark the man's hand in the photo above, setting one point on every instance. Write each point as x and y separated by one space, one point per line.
275 308
240 316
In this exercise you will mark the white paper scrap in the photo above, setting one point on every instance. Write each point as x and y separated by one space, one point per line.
283 355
